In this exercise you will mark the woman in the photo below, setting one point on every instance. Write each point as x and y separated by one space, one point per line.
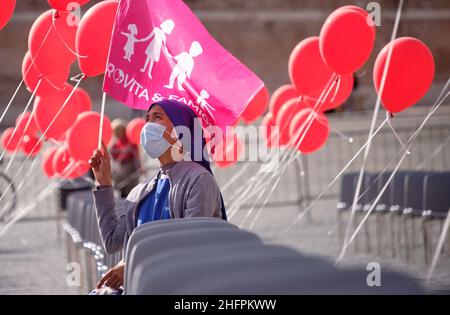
181 189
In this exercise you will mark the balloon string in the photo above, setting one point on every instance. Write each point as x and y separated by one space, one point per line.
394 158
409 143
246 190
24 76
336 90
262 179
389 117
19 145
26 209
294 148
439 247
47 79
102 116
372 127
31 184
337 131
15 130
54 17
56 142
42 136
341 134
434 153
334 180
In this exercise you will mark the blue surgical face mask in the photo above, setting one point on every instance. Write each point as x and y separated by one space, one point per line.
153 141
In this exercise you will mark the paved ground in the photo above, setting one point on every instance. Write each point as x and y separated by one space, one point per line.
33 259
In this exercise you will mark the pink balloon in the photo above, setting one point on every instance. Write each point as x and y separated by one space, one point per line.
47 107
271 130
133 131
411 72
6 11
94 37
84 100
347 40
257 106
22 121
82 139
307 70
52 46
285 116
31 145
316 135
281 96
49 83
47 162
62 5
10 140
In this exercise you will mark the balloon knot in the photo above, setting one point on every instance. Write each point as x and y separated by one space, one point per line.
56 15
390 115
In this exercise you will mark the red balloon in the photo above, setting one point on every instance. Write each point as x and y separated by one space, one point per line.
285 116
10 140
227 152
347 40
47 108
82 139
77 170
31 145
49 83
133 131
281 96
94 36
6 11
307 70
411 72
257 106
47 162
84 100
67 167
271 130
22 121
49 45
62 5
410 75
60 160
316 135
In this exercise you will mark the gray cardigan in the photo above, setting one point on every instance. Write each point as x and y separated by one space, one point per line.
193 193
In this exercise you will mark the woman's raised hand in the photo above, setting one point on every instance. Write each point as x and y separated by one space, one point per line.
101 166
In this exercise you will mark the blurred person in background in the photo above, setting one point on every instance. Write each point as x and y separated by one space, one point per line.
125 156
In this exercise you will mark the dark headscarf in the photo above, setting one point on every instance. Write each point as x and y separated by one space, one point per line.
181 115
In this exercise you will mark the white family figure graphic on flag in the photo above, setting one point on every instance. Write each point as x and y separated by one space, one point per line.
153 50
202 101
131 40
185 65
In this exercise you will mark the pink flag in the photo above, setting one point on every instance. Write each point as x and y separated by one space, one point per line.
160 50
